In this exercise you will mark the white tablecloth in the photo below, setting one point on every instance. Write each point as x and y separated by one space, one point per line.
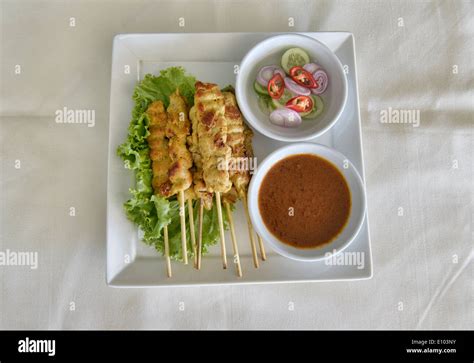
411 55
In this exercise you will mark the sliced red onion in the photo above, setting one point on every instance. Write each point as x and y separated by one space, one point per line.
322 80
311 67
296 88
280 71
285 117
266 73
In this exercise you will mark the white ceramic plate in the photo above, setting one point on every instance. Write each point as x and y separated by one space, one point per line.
213 58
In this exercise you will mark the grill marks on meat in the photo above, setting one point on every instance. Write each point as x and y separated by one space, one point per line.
208 119
219 141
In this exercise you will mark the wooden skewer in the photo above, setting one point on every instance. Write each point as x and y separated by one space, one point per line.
234 240
199 246
191 228
167 251
221 229
182 215
251 234
263 255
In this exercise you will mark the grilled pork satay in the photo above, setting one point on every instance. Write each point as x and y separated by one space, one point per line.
212 137
177 130
160 159
158 144
240 139
235 139
212 140
238 168
239 175
200 189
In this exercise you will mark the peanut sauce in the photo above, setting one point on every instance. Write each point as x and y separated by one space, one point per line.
304 201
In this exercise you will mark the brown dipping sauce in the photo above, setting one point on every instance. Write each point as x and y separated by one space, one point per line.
318 194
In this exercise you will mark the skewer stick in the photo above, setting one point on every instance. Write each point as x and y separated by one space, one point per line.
199 246
251 234
191 228
221 229
167 251
234 240
263 255
183 227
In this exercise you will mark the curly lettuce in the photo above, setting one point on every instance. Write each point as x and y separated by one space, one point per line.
151 213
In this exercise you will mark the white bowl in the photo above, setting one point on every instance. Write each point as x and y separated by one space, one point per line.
357 212
269 52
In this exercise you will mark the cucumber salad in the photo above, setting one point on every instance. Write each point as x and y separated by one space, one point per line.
290 93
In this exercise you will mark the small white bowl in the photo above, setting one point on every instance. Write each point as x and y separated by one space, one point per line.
269 52
357 212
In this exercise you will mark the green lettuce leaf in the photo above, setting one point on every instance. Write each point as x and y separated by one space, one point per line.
152 212
160 88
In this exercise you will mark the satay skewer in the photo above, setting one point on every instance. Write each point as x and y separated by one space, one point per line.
199 186
229 199
251 232
177 129
199 244
240 140
212 144
191 227
159 154
263 255
234 240
221 229
237 138
182 216
167 251
249 153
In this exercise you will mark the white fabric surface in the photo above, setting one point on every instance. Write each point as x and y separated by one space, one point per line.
417 282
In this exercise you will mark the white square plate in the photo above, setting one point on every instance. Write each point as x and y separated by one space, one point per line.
211 57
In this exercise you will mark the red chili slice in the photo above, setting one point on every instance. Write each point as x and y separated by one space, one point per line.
276 86
303 77
300 104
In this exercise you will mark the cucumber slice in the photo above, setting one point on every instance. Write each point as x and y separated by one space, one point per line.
318 108
265 104
294 57
285 97
260 89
